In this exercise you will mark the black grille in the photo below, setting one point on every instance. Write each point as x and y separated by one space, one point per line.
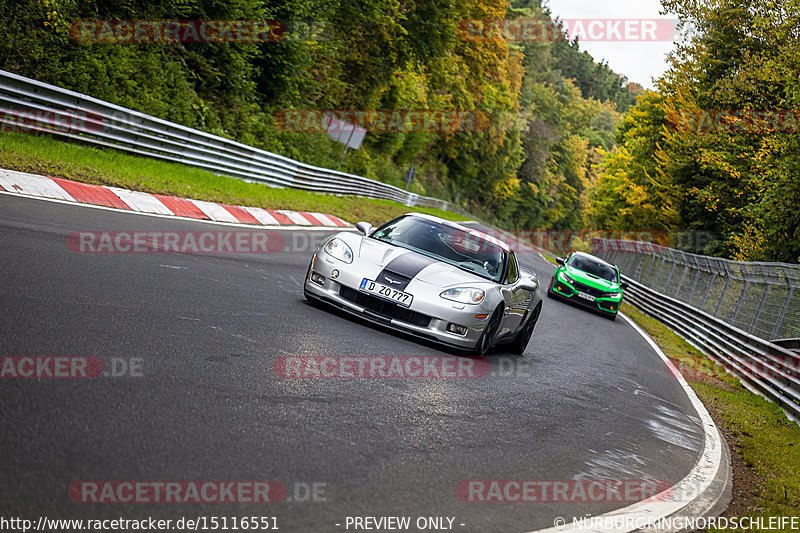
587 289
384 308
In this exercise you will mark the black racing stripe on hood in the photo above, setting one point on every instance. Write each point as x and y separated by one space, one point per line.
402 269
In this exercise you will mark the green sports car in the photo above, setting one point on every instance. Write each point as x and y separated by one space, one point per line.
589 281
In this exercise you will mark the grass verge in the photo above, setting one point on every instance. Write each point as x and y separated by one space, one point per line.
41 154
765 442
549 258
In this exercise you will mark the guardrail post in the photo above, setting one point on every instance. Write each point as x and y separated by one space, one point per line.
757 314
680 283
624 258
639 264
782 316
660 268
669 277
724 292
707 292
739 302
650 266
711 279
694 283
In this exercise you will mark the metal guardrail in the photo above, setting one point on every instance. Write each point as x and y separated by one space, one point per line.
789 344
762 299
30 105
767 368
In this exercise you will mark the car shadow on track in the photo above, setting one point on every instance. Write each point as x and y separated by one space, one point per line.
344 315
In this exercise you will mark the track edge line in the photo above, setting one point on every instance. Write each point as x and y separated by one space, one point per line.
710 481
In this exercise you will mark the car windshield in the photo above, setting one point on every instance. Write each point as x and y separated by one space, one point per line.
465 250
593 267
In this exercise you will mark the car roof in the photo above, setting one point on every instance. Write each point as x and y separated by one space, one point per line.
590 256
471 231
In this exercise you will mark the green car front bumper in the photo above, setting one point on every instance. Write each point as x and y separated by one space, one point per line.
585 296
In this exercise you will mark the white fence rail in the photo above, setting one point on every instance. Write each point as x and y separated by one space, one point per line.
30 105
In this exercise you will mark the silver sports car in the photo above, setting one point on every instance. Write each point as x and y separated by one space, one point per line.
430 277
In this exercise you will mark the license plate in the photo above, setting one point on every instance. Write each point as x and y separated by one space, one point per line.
388 293
586 296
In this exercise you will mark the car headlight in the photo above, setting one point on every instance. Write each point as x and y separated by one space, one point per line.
566 278
611 295
338 249
464 295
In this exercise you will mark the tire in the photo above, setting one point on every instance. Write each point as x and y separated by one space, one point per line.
486 341
520 342
550 292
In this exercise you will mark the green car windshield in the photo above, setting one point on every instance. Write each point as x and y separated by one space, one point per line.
594 267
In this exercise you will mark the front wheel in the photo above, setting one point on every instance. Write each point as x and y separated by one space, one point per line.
486 341
550 292
522 339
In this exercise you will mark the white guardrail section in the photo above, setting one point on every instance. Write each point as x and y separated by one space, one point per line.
763 366
30 105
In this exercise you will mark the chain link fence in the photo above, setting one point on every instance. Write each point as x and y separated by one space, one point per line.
762 299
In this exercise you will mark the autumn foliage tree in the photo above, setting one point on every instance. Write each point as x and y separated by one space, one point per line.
698 154
550 109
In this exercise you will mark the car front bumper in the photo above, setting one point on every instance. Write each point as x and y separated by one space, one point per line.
607 306
426 317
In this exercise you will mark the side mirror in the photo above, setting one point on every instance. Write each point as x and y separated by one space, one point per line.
528 274
624 285
528 284
560 261
364 227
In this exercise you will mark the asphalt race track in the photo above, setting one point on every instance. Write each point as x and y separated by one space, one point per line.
588 400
